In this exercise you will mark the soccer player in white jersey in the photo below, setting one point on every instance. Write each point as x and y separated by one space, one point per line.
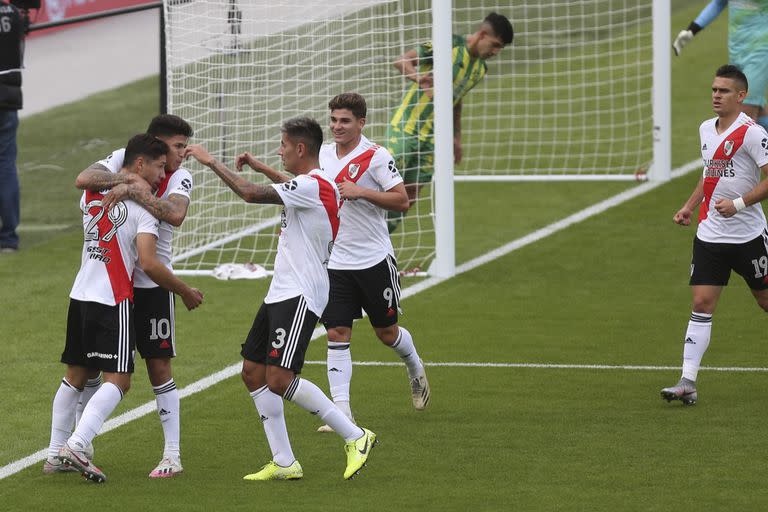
362 269
100 331
153 305
273 352
732 232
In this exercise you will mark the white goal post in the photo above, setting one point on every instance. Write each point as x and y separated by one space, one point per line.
581 94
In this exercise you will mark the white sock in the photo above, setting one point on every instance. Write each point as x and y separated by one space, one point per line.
270 408
62 416
340 375
168 402
696 343
91 387
99 407
310 398
407 351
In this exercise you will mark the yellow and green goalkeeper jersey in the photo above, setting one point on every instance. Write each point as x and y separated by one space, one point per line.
415 115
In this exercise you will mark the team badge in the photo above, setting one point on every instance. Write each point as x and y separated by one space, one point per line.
728 147
353 170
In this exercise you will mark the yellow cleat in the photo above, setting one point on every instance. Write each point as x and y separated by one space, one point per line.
358 452
272 471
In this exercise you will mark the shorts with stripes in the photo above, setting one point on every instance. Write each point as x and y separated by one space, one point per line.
154 318
711 263
280 334
375 290
100 336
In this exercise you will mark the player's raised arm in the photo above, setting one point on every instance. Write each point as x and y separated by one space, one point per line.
259 166
250 192
146 246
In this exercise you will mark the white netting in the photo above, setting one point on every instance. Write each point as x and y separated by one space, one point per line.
570 96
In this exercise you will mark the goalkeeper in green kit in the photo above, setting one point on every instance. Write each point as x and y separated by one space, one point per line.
747 46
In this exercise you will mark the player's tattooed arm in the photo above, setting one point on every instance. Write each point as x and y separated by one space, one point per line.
259 166
250 192
172 210
97 177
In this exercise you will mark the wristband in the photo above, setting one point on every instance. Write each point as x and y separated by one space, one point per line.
739 204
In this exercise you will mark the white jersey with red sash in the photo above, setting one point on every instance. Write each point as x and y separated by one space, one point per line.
363 239
175 182
732 162
109 250
309 222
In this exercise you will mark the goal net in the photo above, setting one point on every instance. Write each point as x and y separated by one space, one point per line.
570 98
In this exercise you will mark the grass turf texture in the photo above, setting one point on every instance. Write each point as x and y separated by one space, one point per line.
610 290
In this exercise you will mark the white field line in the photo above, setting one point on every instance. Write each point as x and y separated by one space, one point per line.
234 369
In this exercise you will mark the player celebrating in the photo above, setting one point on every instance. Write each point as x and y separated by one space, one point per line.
410 134
732 232
153 305
362 269
273 352
100 333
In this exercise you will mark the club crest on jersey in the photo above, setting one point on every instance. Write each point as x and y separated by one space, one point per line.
728 147
353 170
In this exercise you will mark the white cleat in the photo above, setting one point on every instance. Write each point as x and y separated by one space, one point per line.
420 390
685 391
168 467
53 465
325 429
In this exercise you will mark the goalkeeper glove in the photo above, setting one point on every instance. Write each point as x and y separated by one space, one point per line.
684 37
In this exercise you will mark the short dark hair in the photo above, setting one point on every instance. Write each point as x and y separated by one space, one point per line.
168 125
734 73
306 130
352 101
146 145
501 27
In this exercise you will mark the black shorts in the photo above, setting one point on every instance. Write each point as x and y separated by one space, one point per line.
153 315
712 262
100 336
375 289
280 334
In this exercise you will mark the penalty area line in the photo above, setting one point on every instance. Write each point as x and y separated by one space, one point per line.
591 211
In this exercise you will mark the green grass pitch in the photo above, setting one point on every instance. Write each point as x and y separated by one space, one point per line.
610 290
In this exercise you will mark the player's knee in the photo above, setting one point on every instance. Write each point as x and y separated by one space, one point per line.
388 335
339 334
277 385
763 303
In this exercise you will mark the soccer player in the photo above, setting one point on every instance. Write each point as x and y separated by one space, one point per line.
732 232
273 352
410 134
100 332
362 269
747 46
153 305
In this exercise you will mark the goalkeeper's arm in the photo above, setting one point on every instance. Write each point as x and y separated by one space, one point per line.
705 17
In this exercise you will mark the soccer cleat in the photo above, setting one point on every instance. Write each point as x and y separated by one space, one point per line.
167 468
420 390
358 452
54 465
271 471
685 391
78 459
